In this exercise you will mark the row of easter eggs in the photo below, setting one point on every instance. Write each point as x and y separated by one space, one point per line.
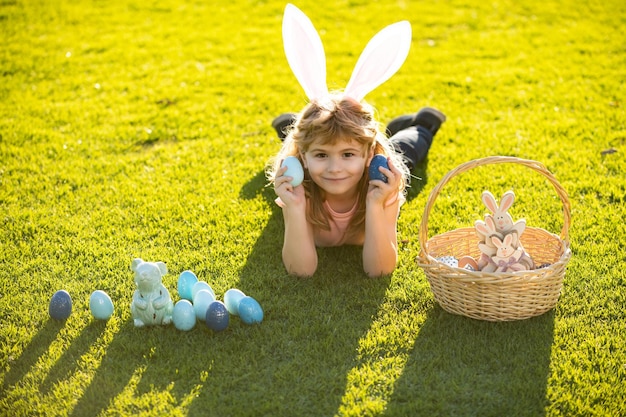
197 302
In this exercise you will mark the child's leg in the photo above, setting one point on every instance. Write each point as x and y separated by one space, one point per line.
413 141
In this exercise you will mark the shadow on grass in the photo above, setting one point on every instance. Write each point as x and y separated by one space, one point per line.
461 366
35 349
138 361
67 363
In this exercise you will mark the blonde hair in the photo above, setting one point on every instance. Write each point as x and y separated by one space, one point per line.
336 118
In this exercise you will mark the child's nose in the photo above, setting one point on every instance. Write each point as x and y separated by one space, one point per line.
334 165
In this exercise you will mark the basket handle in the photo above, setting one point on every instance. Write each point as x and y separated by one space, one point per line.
492 160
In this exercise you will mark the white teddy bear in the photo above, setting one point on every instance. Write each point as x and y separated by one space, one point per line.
151 301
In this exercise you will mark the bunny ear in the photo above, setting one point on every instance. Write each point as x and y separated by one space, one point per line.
382 57
496 241
507 200
305 52
490 201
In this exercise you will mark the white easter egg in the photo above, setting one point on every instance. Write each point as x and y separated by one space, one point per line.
100 305
294 170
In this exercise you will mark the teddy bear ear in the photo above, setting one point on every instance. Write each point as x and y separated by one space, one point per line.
162 268
135 263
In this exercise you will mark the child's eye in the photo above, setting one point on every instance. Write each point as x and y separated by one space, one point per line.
348 154
320 155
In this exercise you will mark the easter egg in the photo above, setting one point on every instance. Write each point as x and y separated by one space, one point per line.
100 305
448 260
184 316
217 316
201 303
294 170
250 310
232 298
378 161
186 280
201 285
60 305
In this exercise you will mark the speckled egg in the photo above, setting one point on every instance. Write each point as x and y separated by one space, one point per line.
60 306
449 260
217 316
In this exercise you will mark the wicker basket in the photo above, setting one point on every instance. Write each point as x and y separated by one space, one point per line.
495 296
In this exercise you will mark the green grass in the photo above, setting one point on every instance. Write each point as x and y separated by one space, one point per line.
142 128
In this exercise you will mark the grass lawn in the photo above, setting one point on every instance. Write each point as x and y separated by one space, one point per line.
136 128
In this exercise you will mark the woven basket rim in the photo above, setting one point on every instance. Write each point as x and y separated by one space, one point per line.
491 160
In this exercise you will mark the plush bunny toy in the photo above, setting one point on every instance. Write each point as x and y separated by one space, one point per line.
382 57
507 257
499 227
151 301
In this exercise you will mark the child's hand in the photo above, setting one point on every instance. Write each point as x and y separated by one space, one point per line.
380 192
290 195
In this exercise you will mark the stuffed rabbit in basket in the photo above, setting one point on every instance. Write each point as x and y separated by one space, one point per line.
500 237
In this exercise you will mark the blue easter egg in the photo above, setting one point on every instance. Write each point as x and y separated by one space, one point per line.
378 161
60 305
200 285
186 280
294 170
217 316
250 310
232 298
100 305
201 303
184 316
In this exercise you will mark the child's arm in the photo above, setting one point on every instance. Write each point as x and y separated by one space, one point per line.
299 252
380 248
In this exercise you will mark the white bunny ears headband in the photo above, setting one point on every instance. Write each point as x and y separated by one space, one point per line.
382 57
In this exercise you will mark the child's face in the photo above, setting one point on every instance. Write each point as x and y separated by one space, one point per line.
339 167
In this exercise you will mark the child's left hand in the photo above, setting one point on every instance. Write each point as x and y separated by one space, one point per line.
379 192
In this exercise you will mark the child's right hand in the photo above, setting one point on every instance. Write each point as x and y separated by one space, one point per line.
290 195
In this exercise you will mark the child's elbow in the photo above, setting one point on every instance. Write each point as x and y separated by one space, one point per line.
379 273
378 270
301 270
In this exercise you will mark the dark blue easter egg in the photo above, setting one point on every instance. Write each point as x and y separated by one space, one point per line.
378 161
60 305
250 310
217 316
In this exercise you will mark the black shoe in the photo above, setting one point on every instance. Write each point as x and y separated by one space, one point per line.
400 123
429 118
282 123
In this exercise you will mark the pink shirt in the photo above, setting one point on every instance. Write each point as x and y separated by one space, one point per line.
339 222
